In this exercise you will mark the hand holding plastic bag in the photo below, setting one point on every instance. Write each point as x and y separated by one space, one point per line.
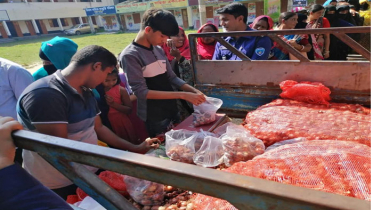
205 113
180 145
145 192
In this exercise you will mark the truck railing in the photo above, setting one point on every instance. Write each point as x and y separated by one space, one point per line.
242 191
245 85
339 32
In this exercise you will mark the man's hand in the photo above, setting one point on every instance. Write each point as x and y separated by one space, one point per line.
194 98
148 144
7 148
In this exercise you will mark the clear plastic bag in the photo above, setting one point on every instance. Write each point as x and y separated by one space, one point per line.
180 145
211 152
285 142
240 145
200 136
205 113
145 192
219 131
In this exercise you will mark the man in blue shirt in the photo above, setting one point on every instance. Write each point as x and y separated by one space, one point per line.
233 17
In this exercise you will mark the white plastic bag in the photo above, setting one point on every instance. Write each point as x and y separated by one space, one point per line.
180 145
240 145
205 112
89 203
219 131
211 152
284 142
145 192
200 136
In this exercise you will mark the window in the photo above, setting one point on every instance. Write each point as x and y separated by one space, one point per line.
53 23
75 21
136 18
64 22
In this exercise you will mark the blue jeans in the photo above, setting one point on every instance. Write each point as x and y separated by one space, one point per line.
155 128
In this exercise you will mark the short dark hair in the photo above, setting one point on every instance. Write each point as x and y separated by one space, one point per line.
160 20
235 9
315 8
115 72
286 16
93 54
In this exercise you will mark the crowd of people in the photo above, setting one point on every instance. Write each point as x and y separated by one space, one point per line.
127 100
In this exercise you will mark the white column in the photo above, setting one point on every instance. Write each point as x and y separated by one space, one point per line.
190 16
6 28
60 24
35 26
91 24
80 20
100 24
290 5
202 11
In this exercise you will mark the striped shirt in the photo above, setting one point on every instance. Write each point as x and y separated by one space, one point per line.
52 100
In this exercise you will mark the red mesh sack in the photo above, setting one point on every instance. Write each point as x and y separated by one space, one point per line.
279 121
81 194
339 167
115 181
71 199
309 92
356 108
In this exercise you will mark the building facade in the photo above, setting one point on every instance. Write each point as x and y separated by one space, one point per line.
20 18
32 17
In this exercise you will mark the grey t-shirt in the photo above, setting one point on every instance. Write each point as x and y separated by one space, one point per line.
148 69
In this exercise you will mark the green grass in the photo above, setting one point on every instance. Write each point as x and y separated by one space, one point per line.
26 52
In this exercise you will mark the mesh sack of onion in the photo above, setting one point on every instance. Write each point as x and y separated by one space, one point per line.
339 167
285 119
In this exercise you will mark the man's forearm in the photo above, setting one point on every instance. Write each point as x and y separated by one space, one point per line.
188 88
155 94
106 135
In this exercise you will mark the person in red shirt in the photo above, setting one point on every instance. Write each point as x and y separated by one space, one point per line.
206 45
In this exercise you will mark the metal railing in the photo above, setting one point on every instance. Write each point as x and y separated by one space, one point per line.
247 84
242 191
339 32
